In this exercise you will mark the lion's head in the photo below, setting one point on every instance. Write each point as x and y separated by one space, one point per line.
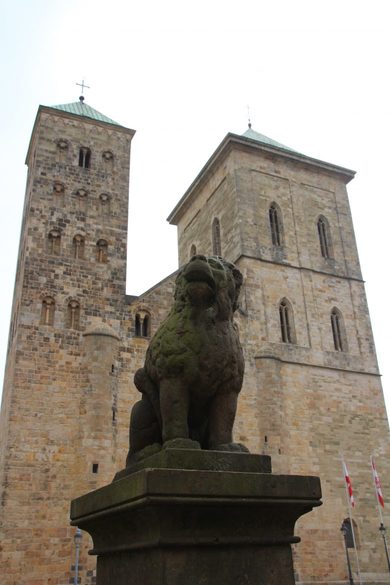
208 280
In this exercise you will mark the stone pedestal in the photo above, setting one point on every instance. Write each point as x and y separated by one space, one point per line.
220 518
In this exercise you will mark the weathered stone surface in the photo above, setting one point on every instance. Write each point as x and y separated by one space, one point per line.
186 527
201 460
194 365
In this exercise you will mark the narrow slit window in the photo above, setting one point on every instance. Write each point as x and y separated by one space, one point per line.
324 238
275 225
337 330
216 232
286 322
95 467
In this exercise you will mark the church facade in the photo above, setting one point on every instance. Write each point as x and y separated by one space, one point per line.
312 390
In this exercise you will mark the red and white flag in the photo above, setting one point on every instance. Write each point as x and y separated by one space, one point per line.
377 483
349 485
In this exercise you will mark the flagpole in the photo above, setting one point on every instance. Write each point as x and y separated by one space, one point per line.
382 528
345 473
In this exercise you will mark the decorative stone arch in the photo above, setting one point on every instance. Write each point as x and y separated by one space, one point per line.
48 306
62 144
142 322
54 242
81 192
216 237
286 319
324 236
58 188
108 156
102 251
276 224
338 330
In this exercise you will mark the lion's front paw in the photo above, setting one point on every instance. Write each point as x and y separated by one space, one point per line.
181 444
236 447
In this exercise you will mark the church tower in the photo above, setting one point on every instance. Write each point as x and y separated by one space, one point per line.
59 411
312 392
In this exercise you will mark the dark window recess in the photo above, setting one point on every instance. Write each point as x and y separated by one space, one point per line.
84 158
275 225
113 415
216 233
348 533
285 322
145 326
323 234
265 439
335 319
112 368
95 467
138 325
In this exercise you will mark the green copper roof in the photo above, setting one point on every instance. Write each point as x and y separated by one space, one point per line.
253 135
82 109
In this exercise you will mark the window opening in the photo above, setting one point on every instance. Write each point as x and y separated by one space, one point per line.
102 248
275 226
78 247
95 467
323 235
84 157
285 322
335 319
73 315
145 326
216 230
47 312
138 325
54 238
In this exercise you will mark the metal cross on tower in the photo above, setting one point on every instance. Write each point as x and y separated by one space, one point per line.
82 85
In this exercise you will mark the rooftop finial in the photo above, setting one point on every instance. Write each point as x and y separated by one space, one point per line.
249 119
82 85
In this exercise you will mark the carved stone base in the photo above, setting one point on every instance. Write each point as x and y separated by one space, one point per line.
162 526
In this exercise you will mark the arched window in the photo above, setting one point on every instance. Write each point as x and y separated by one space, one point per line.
324 237
142 324
102 251
138 328
275 222
54 242
146 326
84 157
216 233
338 331
73 315
351 537
286 322
47 311
78 247
192 251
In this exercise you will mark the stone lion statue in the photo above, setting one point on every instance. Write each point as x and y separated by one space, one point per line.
194 366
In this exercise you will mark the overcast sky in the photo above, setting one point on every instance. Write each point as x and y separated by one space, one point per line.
315 75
